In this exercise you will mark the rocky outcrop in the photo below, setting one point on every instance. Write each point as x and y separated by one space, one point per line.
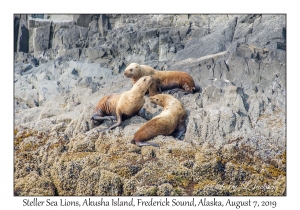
235 143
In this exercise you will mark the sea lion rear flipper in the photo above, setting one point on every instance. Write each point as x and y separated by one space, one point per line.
140 144
174 91
98 117
142 113
178 134
181 128
196 88
179 89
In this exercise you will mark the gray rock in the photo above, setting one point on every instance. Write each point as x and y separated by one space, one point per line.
103 24
73 53
244 27
213 43
16 31
149 34
41 38
23 36
83 20
269 31
40 31
94 54
66 36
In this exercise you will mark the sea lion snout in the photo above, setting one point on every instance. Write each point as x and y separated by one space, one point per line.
129 71
148 79
127 74
155 100
152 99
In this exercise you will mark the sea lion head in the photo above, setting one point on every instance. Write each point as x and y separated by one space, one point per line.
133 70
158 99
142 85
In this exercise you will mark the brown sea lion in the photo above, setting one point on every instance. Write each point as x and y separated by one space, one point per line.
162 80
120 106
170 121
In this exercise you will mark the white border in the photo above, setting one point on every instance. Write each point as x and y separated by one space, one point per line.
8 201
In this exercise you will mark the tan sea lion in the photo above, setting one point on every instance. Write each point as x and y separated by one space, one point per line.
120 106
162 80
170 121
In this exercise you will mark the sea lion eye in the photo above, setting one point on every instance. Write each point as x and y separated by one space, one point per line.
136 67
144 79
130 69
157 99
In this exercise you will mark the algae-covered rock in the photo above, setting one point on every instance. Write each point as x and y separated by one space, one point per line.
110 184
34 185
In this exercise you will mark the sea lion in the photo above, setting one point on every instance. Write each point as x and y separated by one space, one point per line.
120 106
173 81
170 121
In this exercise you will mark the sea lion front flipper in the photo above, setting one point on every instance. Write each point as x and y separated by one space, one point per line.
119 121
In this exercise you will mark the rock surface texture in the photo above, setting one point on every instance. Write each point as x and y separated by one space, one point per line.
235 142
